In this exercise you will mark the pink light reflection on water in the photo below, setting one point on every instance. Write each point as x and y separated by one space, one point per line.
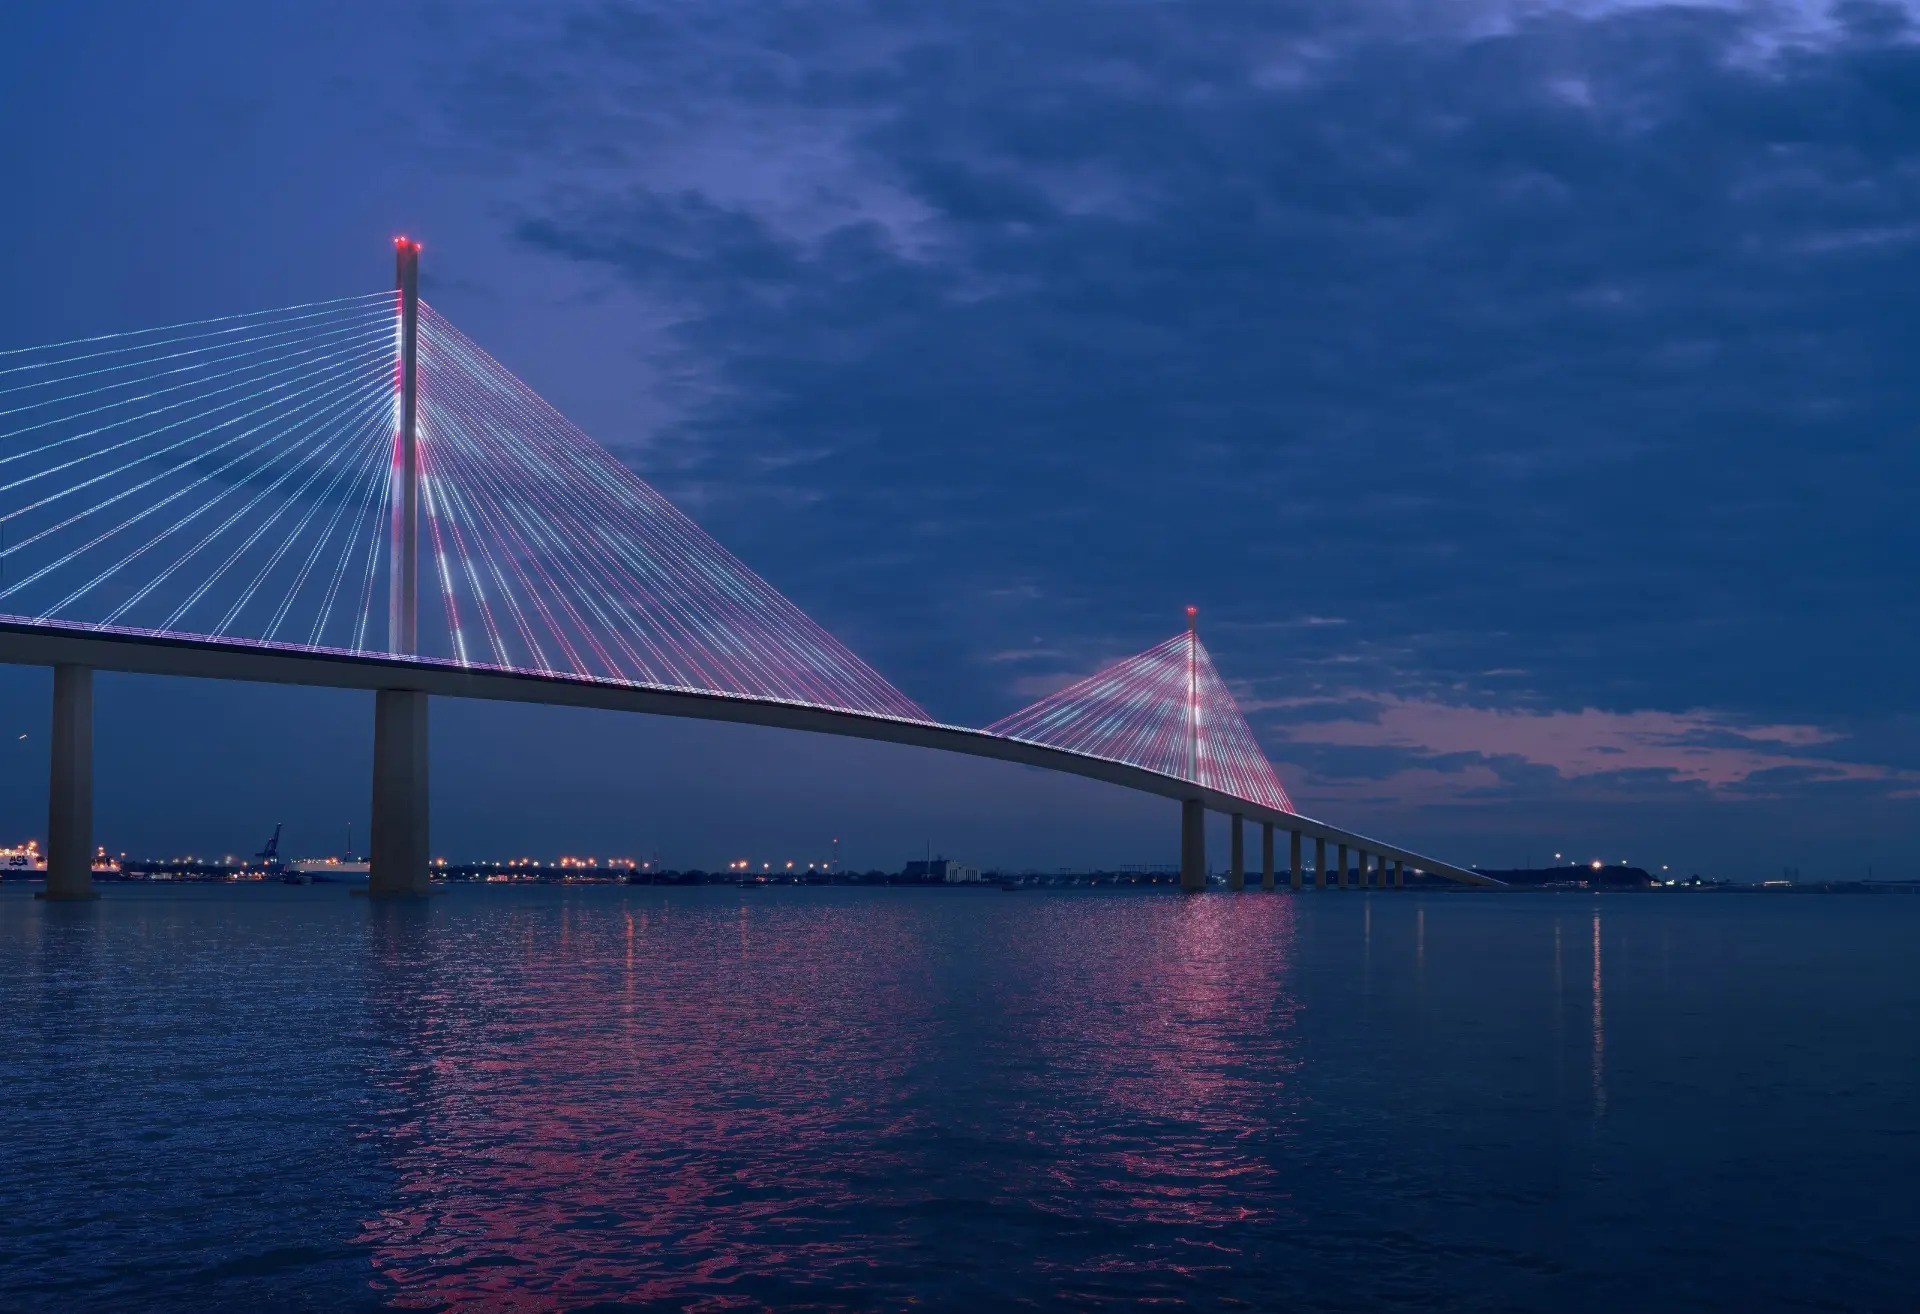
753 1099
615 1118
1177 1042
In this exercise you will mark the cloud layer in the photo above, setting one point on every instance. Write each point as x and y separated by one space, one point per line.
1552 350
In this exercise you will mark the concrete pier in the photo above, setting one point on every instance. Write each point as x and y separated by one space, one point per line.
1293 860
1320 862
1193 844
1346 875
70 787
399 863
1266 856
1237 854
1399 875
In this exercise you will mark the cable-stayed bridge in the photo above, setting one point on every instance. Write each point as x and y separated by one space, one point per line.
353 493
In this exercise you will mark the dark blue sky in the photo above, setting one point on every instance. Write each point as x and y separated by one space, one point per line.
1522 390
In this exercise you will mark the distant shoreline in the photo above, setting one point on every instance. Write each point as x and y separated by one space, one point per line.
991 883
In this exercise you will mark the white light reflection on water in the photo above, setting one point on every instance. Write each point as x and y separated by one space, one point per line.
1599 1028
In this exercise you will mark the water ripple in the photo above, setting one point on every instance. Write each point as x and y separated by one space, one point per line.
714 1100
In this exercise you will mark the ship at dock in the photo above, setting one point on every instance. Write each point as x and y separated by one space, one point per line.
346 870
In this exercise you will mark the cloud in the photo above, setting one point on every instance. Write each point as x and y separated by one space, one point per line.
1545 346
1023 655
1696 747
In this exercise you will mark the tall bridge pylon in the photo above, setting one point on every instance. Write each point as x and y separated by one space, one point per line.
399 853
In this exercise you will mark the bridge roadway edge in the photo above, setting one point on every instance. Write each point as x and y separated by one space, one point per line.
24 644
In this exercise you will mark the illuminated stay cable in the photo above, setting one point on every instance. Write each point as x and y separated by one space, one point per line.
194 442
583 580
490 550
329 465
237 320
547 528
523 594
376 497
1165 710
227 478
536 543
338 396
150 508
365 479
543 531
376 558
302 365
208 353
564 545
350 333
652 519
726 650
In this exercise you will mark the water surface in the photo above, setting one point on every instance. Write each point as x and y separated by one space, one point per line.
279 1097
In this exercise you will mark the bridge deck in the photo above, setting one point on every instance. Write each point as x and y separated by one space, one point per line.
37 644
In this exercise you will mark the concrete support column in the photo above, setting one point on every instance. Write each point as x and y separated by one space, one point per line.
1346 876
70 787
1399 875
399 863
1363 875
1293 863
1266 856
1193 844
1320 862
1237 852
